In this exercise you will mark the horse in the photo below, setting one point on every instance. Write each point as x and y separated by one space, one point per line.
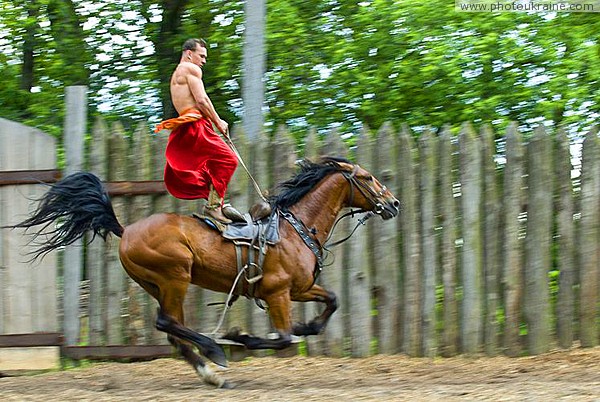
165 252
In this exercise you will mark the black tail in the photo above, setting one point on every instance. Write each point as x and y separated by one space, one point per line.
75 204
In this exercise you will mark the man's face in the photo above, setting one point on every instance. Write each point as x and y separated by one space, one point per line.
199 56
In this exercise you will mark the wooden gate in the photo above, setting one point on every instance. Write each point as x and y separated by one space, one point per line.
28 292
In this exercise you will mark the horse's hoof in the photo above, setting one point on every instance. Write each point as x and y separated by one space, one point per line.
217 356
227 385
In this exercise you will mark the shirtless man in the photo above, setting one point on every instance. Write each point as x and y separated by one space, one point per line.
199 163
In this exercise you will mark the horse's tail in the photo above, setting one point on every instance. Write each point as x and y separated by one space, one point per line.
70 208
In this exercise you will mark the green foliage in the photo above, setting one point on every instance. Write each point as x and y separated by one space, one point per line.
334 63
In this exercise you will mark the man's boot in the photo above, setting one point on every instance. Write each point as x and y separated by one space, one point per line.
213 207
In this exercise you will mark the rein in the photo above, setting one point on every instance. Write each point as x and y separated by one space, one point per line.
237 154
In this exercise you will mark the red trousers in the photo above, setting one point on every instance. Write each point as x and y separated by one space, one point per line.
197 157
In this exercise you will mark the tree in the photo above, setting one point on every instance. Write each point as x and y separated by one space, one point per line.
254 67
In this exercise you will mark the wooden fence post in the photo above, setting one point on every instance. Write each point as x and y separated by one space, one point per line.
142 307
512 264
448 243
357 276
472 252
259 150
428 186
538 241
385 257
242 196
116 277
96 251
74 134
565 305
411 250
590 240
335 276
491 236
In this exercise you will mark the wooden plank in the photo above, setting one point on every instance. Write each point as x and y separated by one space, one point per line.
411 250
335 278
428 186
44 272
538 242
31 358
143 187
117 352
385 245
16 177
73 140
589 240
142 307
565 305
492 246
96 250
448 253
513 262
34 339
354 290
18 303
472 251
115 275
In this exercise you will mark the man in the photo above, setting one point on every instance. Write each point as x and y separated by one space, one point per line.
199 163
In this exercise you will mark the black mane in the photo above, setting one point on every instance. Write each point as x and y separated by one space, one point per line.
292 190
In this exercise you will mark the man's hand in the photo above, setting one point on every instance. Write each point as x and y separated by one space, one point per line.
223 127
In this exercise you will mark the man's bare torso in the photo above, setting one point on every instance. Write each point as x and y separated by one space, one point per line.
181 94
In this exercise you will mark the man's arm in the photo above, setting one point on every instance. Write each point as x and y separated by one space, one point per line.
194 80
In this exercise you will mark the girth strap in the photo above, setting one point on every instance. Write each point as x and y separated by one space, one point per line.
253 268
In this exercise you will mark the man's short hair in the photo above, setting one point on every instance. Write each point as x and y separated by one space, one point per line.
191 44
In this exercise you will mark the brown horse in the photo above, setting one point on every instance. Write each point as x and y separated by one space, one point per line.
165 252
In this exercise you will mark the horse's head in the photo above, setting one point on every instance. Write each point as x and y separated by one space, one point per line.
367 192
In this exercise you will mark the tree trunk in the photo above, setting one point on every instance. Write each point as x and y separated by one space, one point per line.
253 91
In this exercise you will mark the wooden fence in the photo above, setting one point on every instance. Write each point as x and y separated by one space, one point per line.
497 248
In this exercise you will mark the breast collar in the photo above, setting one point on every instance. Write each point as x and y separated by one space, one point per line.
304 233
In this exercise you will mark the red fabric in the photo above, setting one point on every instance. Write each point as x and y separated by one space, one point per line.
197 157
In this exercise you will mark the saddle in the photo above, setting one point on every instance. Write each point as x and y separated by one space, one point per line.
255 236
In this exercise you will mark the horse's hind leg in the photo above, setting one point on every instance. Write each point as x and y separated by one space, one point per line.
198 364
317 294
170 320
174 323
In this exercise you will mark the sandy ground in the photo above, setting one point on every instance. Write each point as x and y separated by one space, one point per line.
572 375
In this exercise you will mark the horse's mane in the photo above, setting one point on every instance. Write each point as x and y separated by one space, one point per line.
292 190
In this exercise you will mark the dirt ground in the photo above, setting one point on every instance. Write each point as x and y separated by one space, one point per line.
572 375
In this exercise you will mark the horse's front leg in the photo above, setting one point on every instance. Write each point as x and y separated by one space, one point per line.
316 294
280 311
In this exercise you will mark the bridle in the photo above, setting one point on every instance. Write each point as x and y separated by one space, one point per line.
367 191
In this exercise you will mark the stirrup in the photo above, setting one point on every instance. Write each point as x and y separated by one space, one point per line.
231 213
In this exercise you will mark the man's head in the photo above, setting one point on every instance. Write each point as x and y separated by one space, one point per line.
194 51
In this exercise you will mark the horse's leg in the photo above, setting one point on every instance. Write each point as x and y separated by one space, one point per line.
280 311
198 364
170 320
317 294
